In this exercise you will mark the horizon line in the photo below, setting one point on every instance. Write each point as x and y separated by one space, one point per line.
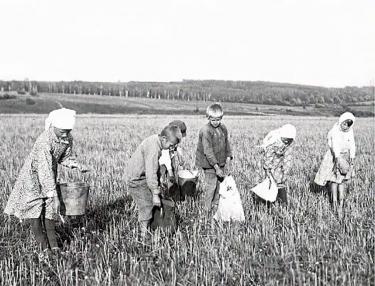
371 83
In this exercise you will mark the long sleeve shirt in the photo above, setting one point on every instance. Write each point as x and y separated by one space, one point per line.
144 163
213 146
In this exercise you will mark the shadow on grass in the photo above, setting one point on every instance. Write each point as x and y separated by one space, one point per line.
96 219
101 216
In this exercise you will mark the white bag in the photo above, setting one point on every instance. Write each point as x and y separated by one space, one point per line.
264 190
230 205
165 159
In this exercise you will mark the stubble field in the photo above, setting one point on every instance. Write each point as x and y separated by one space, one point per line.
305 244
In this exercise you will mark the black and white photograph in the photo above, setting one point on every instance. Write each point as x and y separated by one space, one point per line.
187 142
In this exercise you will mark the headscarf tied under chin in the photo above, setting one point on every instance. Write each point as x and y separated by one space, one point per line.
62 118
340 140
285 131
344 117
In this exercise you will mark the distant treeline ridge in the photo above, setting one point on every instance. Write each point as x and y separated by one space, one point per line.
204 90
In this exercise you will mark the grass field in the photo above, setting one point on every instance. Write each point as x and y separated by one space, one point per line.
305 244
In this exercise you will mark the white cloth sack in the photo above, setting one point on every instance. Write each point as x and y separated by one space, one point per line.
230 205
165 159
264 190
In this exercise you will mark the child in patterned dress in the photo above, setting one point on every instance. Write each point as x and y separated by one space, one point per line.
34 196
277 147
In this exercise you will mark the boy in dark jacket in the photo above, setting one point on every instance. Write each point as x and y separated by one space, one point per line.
213 153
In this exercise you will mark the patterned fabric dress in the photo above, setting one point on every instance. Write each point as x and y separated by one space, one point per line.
35 186
277 159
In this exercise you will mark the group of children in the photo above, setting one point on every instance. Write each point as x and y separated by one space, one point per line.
156 161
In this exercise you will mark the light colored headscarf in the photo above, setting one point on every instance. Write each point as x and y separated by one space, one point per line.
62 118
341 141
285 131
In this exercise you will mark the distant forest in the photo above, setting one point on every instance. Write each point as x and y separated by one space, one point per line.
205 90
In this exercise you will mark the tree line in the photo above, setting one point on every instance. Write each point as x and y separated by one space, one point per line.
204 90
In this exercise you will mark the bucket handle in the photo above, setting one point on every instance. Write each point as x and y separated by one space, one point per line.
82 175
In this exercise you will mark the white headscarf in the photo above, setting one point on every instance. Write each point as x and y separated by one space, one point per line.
285 131
62 118
341 141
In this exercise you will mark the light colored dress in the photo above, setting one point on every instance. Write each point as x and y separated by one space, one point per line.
340 144
35 187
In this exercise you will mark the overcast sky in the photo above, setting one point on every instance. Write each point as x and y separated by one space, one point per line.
317 42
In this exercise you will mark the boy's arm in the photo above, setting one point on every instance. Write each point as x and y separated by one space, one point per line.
151 159
208 148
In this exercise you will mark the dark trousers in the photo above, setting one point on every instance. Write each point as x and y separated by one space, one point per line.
212 186
44 232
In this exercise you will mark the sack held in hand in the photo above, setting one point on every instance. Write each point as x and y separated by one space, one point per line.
165 216
230 205
343 166
267 190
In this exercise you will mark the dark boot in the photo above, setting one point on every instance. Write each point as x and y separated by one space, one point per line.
39 233
282 195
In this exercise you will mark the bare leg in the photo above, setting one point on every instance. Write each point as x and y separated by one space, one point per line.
144 226
341 193
333 191
341 196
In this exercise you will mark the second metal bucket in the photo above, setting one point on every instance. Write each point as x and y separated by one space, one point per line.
187 180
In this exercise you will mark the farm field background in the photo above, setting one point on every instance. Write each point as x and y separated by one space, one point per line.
305 244
97 104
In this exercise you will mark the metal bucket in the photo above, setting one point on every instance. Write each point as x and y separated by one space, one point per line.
187 180
73 198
